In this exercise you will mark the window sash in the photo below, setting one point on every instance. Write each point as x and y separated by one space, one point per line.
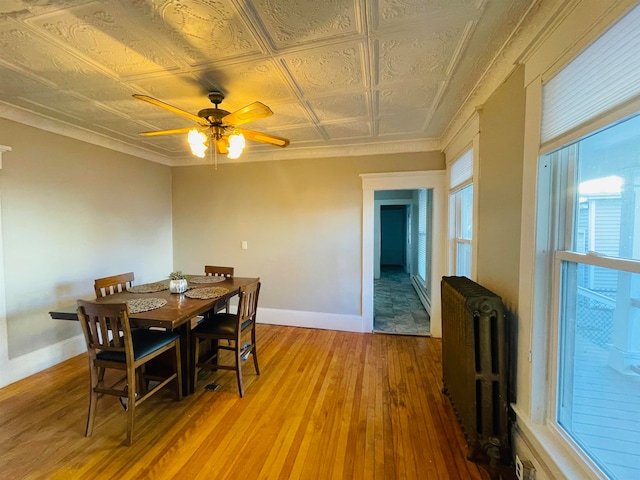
613 263
563 258
461 234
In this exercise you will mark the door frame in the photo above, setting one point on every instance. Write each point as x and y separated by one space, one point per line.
372 182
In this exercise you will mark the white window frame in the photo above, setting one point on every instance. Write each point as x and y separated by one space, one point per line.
455 239
560 215
537 341
455 221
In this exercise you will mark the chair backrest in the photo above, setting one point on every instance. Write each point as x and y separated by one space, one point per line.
114 284
218 271
248 303
106 327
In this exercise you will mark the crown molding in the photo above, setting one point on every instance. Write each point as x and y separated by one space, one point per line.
526 34
329 151
48 124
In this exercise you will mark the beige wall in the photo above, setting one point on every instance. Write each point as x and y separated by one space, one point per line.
73 212
500 189
302 220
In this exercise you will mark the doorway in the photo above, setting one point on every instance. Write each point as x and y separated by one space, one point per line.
397 307
374 182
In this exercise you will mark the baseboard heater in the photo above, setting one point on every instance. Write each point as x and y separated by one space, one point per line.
474 369
418 286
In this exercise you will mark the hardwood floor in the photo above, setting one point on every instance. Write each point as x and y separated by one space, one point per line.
327 405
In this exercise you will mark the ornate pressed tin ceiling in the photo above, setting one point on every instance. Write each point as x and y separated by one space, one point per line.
355 75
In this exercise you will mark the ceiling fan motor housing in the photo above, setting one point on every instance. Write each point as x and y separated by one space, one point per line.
213 115
216 97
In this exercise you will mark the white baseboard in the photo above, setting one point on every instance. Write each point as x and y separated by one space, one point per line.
297 318
21 367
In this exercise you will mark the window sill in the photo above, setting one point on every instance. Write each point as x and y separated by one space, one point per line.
552 454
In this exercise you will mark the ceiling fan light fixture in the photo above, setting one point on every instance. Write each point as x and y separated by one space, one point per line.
197 141
236 145
217 127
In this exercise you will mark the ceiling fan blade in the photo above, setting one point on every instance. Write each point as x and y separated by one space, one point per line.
171 108
222 145
247 114
172 131
264 137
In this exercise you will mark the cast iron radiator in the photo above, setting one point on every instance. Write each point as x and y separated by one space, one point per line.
474 368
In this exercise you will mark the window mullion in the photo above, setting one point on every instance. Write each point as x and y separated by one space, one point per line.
596 260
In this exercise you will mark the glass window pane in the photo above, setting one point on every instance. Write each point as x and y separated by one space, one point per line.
599 358
466 212
463 259
422 234
608 206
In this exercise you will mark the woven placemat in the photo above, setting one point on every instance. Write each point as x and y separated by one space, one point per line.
206 293
208 279
148 287
145 304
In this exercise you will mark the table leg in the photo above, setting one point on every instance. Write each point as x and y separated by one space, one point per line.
185 352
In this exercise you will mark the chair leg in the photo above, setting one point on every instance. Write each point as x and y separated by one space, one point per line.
215 351
253 349
195 353
131 395
143 384
239 369
94 377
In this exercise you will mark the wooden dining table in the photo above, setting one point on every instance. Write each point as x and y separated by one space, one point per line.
177 314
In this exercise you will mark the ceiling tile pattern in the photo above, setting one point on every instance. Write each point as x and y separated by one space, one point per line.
335 73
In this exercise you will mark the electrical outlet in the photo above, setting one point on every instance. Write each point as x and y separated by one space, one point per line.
519 469
524 469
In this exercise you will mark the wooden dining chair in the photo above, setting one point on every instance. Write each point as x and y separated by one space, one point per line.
217 271
112 344
108 286
234 327
114 284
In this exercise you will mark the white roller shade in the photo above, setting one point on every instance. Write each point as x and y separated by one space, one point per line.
462 169
602 77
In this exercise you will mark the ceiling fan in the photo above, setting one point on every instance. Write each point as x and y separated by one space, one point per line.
218 126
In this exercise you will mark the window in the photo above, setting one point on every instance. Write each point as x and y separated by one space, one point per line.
588 230
425 223
598 288
461 214
593 222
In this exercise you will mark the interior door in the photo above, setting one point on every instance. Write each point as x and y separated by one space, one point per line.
393 232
